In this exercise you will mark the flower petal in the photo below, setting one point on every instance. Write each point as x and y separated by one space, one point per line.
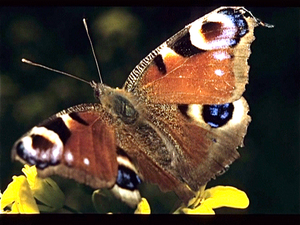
18 195
143 207
226 196
202 209
31 173
44 190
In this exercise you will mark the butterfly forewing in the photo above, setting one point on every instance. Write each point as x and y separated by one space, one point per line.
81 145
205 63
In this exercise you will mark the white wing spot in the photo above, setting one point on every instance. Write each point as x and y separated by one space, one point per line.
69 157
220 55
219 72
86 161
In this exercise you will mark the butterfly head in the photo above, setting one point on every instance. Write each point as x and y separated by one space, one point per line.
97 87
101 90
116 101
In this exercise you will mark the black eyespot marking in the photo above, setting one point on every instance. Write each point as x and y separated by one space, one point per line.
21 150
24 154
127 178
42 165
211 30
58 126
183 46
121 152
159 62
33 157
217 115
183 108
40 142
75 116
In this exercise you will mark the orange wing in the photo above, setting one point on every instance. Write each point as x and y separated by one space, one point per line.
205 63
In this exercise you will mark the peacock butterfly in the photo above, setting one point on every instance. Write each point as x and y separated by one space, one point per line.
177 121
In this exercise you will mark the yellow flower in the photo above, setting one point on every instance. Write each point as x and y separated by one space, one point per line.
143 207
18 198
216 197
22 193
45 190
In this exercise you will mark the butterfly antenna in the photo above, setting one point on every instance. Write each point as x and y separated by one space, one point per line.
91 43
54 70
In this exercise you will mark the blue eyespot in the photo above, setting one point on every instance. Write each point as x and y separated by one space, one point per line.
127 178
217 115
238 19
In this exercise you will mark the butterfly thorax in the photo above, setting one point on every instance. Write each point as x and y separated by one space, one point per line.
116 101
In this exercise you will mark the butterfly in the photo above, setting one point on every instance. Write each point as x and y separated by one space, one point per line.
176 122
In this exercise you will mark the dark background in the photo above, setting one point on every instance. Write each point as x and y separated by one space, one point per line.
268 170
